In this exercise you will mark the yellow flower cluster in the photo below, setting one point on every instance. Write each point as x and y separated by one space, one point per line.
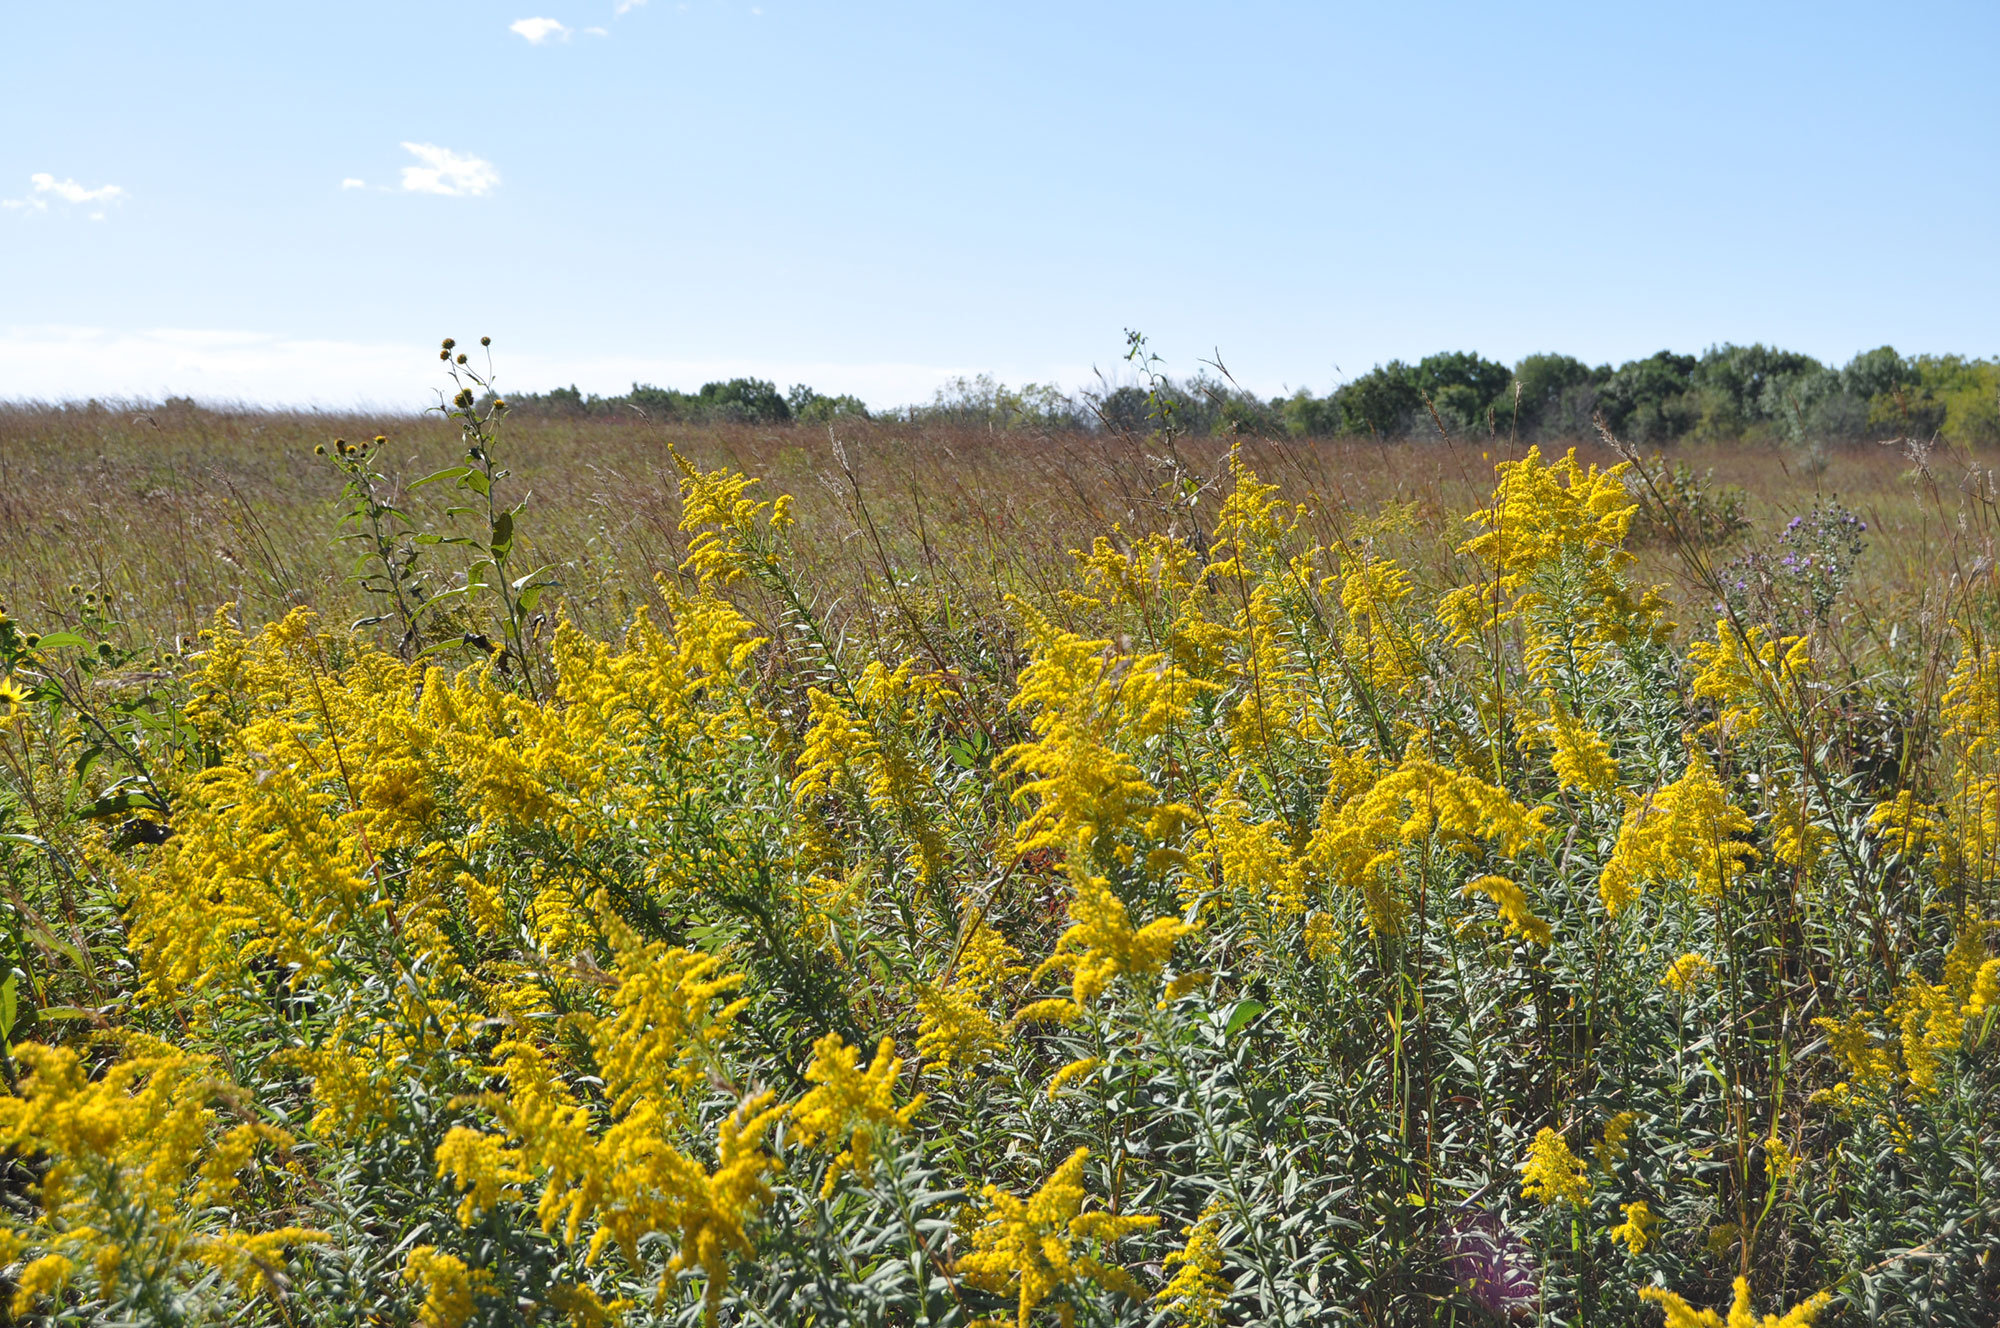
139 1175
1361 844
1086 703
1680 1314
851 1104
1580 757
731 531
1747 672
450 1289
1029 1248
1688 828
1686 973
1611 1148
1516 915
859 748
1636 1231
1554 538
1196 1292
1553 1174
1930 1022
1101 945
954 1030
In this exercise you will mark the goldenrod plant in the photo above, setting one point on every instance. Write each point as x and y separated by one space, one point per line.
1279 924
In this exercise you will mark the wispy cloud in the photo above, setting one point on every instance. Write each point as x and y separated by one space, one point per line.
597 32
351 183
539 30
46 187
626 6
447 172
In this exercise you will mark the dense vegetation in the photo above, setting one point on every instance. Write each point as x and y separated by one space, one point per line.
1286 912
1728 392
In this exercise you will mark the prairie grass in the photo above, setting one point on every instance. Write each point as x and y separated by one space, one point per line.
172 512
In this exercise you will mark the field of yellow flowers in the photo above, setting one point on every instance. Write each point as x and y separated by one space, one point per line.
1256 929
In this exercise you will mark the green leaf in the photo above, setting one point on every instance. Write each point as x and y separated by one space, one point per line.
120 803
9 1007
448 473
56 639
503 534
478 483
1246 1010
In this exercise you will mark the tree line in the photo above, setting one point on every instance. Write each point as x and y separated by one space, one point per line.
1727 392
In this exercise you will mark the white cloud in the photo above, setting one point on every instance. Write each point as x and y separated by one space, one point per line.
69 191
626 6
597 32
46 187
351 183
539 30
446 172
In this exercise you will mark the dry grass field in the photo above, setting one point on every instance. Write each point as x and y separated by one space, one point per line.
172 512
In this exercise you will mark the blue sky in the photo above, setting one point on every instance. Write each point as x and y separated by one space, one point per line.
291 203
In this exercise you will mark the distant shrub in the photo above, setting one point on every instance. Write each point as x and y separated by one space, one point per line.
1791 583
810 407
985 402
1690 505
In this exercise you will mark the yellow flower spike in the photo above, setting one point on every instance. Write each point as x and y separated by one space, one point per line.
850 1104
1680 1314
1581 759
1552 1173
1028 1248
954 1031
1611 1148
1689 828
1075 1070
1555 524
1104 944
482 1168
669 1016
863 749
1636 1231
584 1308
1740 671
1929 1023
132 1162
1516 916
712 1212
1360 838
42 1278
253 1262
1196 1293
1087 702
1057 1010
723 521
1181 984
450 1289
1780 1162
1686 973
